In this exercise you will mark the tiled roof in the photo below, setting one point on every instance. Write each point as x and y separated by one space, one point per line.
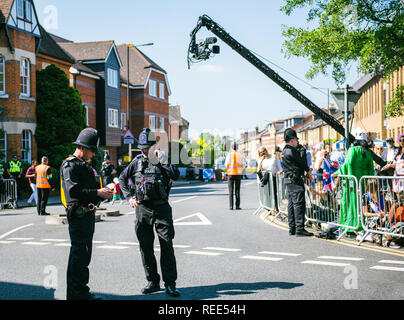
50 48
139 65
87 51
5 8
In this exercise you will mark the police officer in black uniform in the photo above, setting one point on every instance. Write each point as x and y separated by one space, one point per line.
107 170
294 167
82 196
149 194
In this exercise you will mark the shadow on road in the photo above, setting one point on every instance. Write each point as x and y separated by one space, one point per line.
209 292
18 291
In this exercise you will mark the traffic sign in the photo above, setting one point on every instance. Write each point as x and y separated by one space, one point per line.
128 137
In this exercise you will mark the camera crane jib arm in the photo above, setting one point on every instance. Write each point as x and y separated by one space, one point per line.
201 51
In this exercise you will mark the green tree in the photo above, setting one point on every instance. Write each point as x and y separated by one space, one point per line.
368 32
60 115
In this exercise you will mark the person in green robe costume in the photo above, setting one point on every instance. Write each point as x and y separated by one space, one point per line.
358 163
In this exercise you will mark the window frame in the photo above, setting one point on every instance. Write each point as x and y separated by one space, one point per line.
162 123
153 88
112 78
28 8
113 121
26 151
3 75
4 139
27 76
153 122
162 91
20 9
86 108
123 121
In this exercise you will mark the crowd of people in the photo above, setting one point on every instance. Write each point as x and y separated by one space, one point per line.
326 164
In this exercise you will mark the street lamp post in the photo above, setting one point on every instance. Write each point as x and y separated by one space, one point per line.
346 100
128 46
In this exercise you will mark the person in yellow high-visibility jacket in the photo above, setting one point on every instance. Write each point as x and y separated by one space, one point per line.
234 165
43 176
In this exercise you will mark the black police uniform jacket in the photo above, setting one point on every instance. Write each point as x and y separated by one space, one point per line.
79 184
106 172
142 167
293 165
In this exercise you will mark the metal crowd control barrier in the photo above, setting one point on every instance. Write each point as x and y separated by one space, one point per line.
8 193
282 194
337 203
382 210
266 195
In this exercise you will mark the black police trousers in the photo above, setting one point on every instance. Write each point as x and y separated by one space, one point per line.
159 217
81 231
234 185
296 207
43 195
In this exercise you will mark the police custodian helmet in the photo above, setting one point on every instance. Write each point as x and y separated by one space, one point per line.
147 139
88 138
290 134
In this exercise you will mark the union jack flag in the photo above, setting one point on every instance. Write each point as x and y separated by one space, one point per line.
329 167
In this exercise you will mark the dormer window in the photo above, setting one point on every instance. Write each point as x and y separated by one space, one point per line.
153 88
24 10
112 78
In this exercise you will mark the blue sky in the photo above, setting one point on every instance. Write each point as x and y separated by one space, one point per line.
221 95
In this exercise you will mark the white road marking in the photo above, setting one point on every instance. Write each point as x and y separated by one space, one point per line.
204 253
180 246
113 247
326 263
340 258
387 268
203 221
99 242
128 243
32 243
221 249
14 230
20 239
177 201
261 258
62 245
6 242
391 261
280 253
55 240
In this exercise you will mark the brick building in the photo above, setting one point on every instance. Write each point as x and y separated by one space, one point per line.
20 39
149 93
95 69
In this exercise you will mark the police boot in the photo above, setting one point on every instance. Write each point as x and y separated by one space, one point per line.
172 291
303 233
151 287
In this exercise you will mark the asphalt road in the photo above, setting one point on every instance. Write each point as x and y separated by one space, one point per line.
221 254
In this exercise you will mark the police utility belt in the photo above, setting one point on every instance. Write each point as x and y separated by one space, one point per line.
81 210
294 177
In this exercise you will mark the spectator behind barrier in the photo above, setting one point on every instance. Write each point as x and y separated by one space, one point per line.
358 163
267 162
398 166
